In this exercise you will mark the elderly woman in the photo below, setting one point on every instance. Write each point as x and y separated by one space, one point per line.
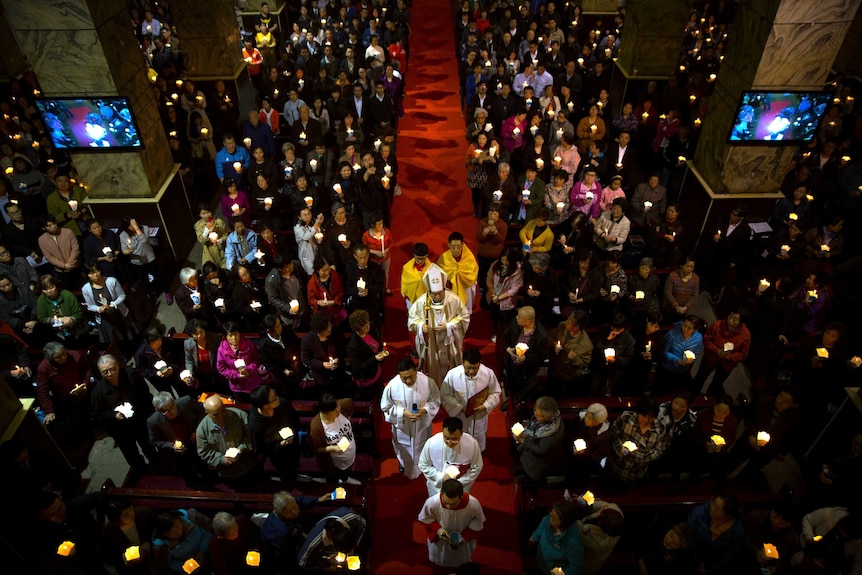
239 362
592 427
557 199
291 166
540 445
320 352
304 231
612 227
191 300
643 292
536 235
59 309
326 291
586 194
479 125
364 355
106 299
558 541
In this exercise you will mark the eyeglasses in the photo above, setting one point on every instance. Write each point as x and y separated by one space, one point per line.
108 370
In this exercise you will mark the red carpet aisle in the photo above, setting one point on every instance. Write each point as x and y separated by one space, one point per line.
435 202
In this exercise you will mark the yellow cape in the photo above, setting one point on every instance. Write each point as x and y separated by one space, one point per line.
462 274
411 280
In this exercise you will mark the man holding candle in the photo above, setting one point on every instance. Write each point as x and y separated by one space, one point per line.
448 517
171 429
438 321
541 448
241 244
66 204
232 160
630 463
725 344
450 454
570 355
259 133
649 201
223 440
339 534
364 284
410 402
273 425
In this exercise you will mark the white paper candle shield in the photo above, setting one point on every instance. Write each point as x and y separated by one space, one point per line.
580 445
231 452
185 374
342 237
360 283
239 364
285 433
639 294
517 429
629 447
762 438
521 349
343 444
718 440
688 354
615 289
451 471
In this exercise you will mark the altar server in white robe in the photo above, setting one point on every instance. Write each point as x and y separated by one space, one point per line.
450 454
470 392
410 402
450 519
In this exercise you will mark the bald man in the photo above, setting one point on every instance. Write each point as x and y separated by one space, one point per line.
222 430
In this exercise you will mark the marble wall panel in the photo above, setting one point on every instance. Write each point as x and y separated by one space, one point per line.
210 37
810 12
12 60
216 56
67 62
653 36
121 48
48 15
113 175
848 58
756 169
799 55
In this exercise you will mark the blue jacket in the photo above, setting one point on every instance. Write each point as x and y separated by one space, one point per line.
260 136
233 249
224 162
280 539
197 541
565 550
675 345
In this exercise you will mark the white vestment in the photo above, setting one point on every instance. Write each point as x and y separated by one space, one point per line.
457 388
437 456
468 516
440 349
408 436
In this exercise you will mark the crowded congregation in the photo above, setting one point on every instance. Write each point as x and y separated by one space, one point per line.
316 286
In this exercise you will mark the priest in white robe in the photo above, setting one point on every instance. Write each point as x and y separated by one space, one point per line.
410 402
451 519
450 454
470 392
438 321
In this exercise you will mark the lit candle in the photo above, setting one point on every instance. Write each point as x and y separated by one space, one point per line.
65 548
239 363
728 346
342 237
318 236
268 202
252 558
517 429
313 163
593 128
718 440
588 497
353 563
190 566
339 493
764 283
213 236
178 444
343 444
340 557
689 354
294 305
822 353
647 206
770 551
648 346
237 167
515 131
560 206
521 348
824 248
385 181
247 142
360 284
615 289
205 131
73 205
540 163
610 354
580 445
132 553
762 438
629 447
234 208
785 249
285 433
639 294
356 167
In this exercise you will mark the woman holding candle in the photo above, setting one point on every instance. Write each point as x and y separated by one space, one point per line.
211 233
559 548
718 533
716 432
585 195
379 241
591 128
683 343
537 153
570 354
364 356
60 309
811 299
625 121
247 300
272 247
234 202
199 133
582 282
326 292
477 174
200 352
214 284
308 235
666 238
332 439
536 235
105 298
542 452
349 132
612 227
239 362
557 198
345 190
502 284
291 167
681 289
260 165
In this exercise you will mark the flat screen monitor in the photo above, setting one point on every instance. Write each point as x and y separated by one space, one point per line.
786 117
90 124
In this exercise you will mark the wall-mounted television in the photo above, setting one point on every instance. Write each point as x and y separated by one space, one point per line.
90 124
788 117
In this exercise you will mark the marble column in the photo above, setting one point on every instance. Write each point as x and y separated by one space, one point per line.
209 37
599 6
653 37
85 48
774 45
82 48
